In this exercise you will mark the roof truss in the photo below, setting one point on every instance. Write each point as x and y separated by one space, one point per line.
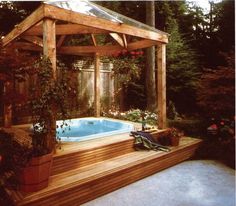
71 23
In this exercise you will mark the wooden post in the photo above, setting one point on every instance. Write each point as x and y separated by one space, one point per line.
161 82
49 50
7 107
97 105
49 42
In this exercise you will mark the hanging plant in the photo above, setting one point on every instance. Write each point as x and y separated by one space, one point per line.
127 65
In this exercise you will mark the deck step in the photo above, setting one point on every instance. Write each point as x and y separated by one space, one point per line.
82 184
75 155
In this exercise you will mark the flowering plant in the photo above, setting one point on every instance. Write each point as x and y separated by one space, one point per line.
134 115
223 129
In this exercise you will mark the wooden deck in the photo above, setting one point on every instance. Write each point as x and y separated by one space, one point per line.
86 170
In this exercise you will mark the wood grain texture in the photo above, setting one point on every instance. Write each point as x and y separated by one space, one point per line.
49 42
97 82
30 21
33 39
82 184
67 29
161 85
99 23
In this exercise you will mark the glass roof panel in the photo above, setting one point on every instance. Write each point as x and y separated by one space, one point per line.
89 8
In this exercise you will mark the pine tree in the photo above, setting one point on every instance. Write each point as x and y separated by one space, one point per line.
182 71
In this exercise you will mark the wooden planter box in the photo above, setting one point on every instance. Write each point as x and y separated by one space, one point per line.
36 174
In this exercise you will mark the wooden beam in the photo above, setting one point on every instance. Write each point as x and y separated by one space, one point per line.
67 29
97 104
33 39
30 21
60 41
73 50
141 44
161 82
30 47
125 41
26 46
118 39
49 42
99 23
94 40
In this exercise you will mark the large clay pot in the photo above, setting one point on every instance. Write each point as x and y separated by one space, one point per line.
35 175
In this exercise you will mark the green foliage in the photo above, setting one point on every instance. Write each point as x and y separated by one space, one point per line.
182 71
226 22
171 111
126 65
134 115
48 101
216 93
17 11
13 156
193 128
126 69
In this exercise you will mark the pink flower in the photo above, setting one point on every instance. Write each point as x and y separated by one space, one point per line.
222 123
213 126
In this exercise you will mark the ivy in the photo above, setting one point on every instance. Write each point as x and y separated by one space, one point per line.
48 101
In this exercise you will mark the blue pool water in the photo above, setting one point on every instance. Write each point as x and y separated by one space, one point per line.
89 128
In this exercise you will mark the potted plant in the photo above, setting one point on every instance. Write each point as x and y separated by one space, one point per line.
47 102
174 135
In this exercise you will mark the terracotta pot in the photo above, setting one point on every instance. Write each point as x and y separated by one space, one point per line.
35 175
174 141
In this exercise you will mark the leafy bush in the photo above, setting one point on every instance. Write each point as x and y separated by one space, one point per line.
216 95
193 128
13 156
134 115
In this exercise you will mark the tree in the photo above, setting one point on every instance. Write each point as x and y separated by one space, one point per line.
182 71
150 61
226 24
17 11
216 92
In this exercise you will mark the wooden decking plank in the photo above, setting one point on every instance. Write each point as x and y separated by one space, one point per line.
88 191
118 167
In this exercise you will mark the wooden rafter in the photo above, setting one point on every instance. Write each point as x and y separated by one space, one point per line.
141 44
74 50
79 50
67 29
61 40
81 19
94 40
30 21
34 39
118 39
26 46
125 40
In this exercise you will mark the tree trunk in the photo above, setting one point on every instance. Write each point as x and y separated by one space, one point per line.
150 61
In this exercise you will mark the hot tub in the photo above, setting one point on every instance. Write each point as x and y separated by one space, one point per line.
82 129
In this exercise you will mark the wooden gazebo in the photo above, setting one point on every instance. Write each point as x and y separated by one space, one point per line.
47 28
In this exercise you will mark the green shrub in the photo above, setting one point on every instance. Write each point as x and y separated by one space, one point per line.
193 128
